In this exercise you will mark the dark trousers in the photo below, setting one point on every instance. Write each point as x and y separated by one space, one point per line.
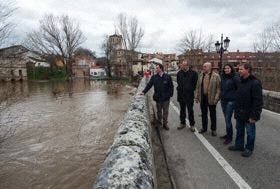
240 134
162 111
204 106
189 106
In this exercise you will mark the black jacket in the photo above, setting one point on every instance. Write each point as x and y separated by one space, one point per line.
229 85
249 99
186 85
163 87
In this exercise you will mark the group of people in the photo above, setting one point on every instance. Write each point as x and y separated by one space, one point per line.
240 94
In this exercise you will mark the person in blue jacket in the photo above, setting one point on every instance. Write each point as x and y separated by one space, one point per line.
248 108
229 83
163 91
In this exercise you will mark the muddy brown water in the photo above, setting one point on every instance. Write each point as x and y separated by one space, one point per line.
58 133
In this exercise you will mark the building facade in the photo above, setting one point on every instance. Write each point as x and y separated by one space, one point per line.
123 62
169 61
81 65
117 56
14 61
266 66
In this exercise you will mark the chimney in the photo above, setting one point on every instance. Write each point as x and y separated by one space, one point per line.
238 51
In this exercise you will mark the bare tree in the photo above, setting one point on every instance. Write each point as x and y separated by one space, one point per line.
130 30
57 36
107 49
264 40
276 36
122 28
132 34
209 44
196 39
193 43
7 9
193 39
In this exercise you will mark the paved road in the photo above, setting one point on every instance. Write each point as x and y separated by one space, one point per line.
193 166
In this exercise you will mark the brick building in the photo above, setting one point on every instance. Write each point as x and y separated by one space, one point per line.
169 61
82 64
265 65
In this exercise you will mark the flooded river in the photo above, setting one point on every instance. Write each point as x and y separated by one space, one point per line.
56 134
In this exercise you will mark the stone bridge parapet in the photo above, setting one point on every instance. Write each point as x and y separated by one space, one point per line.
129 162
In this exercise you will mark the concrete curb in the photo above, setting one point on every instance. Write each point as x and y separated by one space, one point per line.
129 162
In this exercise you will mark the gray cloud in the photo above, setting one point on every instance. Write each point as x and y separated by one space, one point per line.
164 22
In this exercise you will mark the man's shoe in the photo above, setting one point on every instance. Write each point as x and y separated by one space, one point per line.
192 128
166 127
201 131
247 153
181 126
223 137
234 148
213 133
227 141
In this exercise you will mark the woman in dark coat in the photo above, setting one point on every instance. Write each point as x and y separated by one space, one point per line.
229 84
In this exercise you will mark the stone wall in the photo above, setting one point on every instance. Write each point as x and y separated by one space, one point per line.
271 100
129 162
12 68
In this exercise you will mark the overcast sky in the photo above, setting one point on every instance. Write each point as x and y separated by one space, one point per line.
165 22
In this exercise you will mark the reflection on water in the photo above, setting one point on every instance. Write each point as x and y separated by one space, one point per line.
61 131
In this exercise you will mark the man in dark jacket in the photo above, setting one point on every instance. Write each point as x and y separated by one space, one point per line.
163 90
186 80
248 108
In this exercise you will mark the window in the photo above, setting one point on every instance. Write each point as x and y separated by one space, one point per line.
82 63
94 73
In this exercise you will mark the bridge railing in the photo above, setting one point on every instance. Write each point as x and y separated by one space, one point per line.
271 100
129 162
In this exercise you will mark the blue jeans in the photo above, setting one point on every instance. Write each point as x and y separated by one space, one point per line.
240 132
228 108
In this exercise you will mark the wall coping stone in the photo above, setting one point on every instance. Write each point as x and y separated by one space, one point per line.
271 94
129 161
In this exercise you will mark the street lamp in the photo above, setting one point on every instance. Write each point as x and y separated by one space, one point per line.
143 62
221 48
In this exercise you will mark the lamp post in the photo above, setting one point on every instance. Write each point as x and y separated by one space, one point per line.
142 62
221 48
